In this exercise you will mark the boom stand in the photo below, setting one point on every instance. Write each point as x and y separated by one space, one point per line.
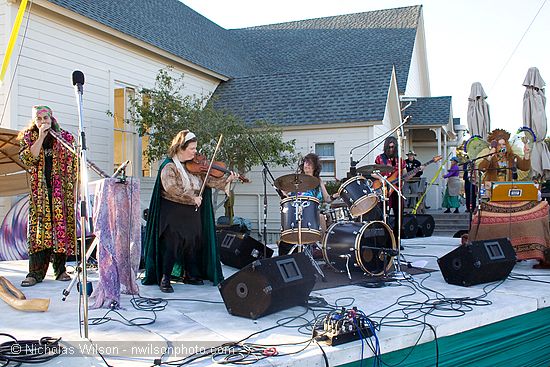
78 81
265 172
398 274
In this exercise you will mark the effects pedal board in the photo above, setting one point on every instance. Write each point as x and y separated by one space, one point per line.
344 326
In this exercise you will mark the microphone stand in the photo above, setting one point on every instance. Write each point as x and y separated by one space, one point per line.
398 274
265 172
389 184
478 191
84 197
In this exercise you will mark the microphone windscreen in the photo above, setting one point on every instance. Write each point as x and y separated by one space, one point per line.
494 144
78 77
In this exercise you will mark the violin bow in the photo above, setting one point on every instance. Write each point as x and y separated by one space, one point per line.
210 167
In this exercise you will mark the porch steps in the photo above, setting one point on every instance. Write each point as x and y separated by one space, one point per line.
447 224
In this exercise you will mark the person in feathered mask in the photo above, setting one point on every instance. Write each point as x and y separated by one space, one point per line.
500 166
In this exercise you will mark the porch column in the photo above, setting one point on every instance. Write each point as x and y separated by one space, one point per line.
440 182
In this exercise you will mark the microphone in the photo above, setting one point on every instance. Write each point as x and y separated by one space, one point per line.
78 80
120 168
514 171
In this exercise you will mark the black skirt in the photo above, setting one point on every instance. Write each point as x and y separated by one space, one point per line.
180 223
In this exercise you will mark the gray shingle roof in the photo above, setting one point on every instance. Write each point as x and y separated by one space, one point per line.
309 97
370 38
325 70
332 69
429 111
171 26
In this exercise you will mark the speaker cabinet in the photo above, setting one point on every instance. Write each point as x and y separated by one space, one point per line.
478 262
268 285
239 249
426 225
409 225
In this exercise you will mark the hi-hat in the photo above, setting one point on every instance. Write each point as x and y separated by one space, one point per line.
369 169
296 182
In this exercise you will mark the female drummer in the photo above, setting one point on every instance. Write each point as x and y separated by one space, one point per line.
311 166
175 228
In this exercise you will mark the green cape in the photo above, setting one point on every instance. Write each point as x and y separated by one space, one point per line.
209 263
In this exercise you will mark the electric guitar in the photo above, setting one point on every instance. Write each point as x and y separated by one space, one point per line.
377 185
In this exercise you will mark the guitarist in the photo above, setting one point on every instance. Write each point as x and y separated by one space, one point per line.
389 158
412 184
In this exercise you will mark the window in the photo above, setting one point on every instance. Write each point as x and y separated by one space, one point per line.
126 140
325 151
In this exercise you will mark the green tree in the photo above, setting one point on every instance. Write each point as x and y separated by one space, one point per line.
162 111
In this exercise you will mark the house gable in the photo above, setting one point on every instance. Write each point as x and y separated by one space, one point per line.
325 70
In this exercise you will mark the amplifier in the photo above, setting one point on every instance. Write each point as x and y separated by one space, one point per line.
514 191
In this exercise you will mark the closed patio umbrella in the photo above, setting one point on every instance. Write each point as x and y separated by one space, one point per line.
534 117
478 118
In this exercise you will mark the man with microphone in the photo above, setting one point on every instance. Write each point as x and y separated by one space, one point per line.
52 175
502 162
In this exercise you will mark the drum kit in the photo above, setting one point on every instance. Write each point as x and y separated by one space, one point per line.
348 244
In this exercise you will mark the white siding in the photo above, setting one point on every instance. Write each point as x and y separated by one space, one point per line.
4 34
7 14
418 81
54 48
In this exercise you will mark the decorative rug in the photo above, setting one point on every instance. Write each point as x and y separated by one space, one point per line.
525 223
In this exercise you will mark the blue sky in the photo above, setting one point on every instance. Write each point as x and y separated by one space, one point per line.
466 40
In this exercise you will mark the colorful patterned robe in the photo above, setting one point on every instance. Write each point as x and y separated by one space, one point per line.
53 228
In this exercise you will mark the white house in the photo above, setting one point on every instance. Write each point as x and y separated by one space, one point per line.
332 83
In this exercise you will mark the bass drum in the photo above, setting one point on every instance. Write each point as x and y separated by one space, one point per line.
357 246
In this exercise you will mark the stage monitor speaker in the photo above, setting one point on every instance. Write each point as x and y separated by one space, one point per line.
478 262
409 225
239 249
426 225
269 285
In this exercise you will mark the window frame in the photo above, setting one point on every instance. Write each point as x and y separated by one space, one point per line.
327 159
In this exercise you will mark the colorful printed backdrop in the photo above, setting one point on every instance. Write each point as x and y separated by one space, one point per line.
13 233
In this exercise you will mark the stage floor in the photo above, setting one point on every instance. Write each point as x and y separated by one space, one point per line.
189 323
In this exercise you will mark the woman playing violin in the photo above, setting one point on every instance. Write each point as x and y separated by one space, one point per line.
177 233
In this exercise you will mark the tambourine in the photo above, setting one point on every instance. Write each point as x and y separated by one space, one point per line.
524 136
475 145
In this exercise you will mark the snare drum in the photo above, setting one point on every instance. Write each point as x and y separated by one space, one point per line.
358 195
338 214
357 246
310 226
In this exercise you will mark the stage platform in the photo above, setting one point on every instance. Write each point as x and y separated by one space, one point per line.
485 325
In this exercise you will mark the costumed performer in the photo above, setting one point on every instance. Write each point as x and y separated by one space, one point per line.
53 174
176 233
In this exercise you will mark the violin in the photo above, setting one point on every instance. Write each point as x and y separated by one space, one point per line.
200 164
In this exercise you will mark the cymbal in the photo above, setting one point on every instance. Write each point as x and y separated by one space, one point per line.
370 168
296 182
